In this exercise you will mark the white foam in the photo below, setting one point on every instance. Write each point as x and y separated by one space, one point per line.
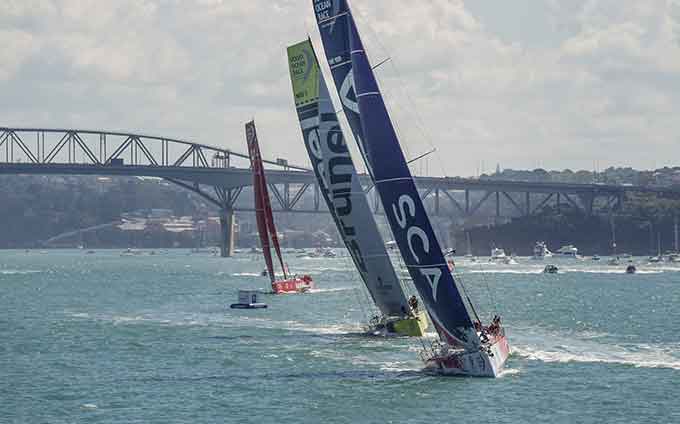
637 355
335 289
507 372
506 271
18 271
401 366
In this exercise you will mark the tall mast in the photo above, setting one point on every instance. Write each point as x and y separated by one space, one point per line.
411 227
675 230
263 208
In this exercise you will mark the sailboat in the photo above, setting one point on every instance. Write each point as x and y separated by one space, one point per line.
658 258
469 255
265 223
614 260
465 346
674 256
341 189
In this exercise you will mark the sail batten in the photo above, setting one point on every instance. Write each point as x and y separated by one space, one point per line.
339 182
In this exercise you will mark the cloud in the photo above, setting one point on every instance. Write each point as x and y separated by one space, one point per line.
525 83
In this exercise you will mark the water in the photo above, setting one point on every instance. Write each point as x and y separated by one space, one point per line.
103 338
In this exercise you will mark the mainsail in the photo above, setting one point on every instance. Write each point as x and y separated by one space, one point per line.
339 182
263 209
403 207
333 25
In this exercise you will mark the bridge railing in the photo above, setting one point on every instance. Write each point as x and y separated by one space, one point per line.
111 148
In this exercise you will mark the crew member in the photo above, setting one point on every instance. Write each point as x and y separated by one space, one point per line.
413 303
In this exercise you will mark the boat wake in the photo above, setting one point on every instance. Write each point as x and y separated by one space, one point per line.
246 274
18 271
335 289
231 321
505 271
555 349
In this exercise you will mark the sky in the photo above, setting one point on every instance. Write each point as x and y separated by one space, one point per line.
578 84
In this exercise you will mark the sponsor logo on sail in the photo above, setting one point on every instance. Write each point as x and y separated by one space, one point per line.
404 209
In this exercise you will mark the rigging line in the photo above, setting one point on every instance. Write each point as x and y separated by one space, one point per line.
488 289
422 156
368 29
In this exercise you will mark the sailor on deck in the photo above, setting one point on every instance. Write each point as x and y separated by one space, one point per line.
413 303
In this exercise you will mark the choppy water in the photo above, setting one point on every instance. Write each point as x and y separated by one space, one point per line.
149 339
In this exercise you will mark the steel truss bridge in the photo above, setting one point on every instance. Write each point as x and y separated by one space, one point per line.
220 176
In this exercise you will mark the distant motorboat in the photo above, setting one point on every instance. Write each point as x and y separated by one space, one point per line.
130 252
497 255
614 261
654 259
541 251
672 257
596 257
569 250
550 269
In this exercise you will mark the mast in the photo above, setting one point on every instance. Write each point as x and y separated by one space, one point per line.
405 211
469 244
675 230
339 182
269 216
613 227
263 211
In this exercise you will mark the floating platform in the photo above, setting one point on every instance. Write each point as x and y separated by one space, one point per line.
248 306
248 299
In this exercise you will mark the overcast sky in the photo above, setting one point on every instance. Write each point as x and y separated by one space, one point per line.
524 83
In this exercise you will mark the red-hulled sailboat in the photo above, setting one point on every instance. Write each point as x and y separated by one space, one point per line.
265 223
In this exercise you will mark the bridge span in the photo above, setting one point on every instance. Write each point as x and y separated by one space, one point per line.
220 175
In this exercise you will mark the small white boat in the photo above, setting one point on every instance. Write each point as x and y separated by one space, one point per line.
498 255
541 251
569 250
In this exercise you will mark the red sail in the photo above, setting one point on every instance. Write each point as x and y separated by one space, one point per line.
253 152
265 217
269 216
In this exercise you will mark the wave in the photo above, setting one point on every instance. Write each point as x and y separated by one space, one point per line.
335 289
207 319
18 271
505 271
588 348
569 270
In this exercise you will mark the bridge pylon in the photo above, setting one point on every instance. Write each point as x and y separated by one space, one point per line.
226 232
